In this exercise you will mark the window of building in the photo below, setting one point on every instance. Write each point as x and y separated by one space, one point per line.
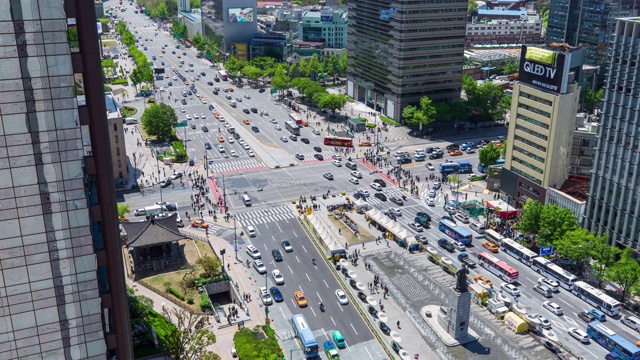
117 140
118 151
115 127
119 163
72 35
103 280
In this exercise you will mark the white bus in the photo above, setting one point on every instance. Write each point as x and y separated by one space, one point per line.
596 298
554 272
493 236
518 251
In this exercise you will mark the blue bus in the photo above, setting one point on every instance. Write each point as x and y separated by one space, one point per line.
448 168
305 336
465 167
455 232
554 272
620 347
483 169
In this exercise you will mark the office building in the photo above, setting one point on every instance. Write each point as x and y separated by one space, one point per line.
612 204
231 23
402 51
589 23
328 26
500 27
62 293
544 104
116 140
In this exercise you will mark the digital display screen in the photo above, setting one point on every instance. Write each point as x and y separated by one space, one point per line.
240 15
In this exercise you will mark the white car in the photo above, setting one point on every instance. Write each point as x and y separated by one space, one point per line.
510 289
364 193
196 116
431 193
253 252
431 202
221 148
342 297
337 163
231 140
278 127
175 78
395 211
277 277
354 181
259 266
316 131
430 166
579 335
376 186
188 117
247 96
551 284
274 121
266 297
161 88
251 153
241 141
246 146
417 227
139 212
203 116
337 157
284 139
252 232
356 174
546 324
553 307
233 153
183 110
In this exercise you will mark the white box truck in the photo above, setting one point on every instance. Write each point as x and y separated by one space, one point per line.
154 210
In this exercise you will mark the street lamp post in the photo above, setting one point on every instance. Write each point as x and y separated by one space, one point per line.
158 166
266 305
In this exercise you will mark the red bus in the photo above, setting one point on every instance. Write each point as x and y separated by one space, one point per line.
498 267
296 118
338 141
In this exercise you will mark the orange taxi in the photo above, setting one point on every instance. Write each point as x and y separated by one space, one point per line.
230 89
490 246
216 115
484 279
186 82
246 122
200 224
455 152
166 76
220 139
365 143
300 299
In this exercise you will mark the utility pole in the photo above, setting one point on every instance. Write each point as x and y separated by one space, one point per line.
158 166
266 305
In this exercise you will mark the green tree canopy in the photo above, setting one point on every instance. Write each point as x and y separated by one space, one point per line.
332 101
625 272
210 265
554 224
252 72
199 41
603 255
183 339
511 67
592 98
123 209
280 80
505 105
530 219
576 245
489 154
158 120
443 111
422 115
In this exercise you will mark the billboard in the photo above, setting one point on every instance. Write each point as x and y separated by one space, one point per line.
326 15
542 68
241 15
239 51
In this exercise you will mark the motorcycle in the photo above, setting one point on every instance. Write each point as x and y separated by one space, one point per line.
321 307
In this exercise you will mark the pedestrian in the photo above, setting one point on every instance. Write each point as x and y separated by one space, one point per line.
398 324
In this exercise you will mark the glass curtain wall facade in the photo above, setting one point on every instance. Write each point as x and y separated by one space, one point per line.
400 51
612 204
62 292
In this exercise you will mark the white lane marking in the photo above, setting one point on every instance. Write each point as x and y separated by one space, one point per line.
354 330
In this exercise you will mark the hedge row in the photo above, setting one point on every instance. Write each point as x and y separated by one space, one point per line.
204 300
119 81
176 293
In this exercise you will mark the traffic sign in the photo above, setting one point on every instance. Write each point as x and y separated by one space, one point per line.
274 91
208 56
182 123
546 251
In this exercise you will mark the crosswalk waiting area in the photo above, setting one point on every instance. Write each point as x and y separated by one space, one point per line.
265 216
236 165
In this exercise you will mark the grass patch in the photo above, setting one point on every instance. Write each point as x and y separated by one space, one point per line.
161 324
108 63
119 81
108 43
128 111
205 249
177 146
388 121
249 347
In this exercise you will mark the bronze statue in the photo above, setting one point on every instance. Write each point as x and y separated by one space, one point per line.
461 275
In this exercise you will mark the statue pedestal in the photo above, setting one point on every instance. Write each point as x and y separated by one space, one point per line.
451 323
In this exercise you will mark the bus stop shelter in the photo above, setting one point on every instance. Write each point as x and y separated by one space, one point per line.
502 209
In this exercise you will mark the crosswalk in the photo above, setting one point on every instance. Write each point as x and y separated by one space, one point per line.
309 155
389 191
265 216
236 165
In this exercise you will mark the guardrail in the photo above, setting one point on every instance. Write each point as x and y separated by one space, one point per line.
353 299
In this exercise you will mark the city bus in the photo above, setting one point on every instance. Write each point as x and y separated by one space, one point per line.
338 141
223 75
449 168
292 127
493 236
305 337
296 118
620 347
554 272
498 267
465 167
455 232
518 251
596 298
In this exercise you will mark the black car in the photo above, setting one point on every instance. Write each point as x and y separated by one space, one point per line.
203 74
173 52
210 107
549 345
372 310
246 111
210 83
362 296
390 215
396 347
276 294
277 255
261 90
299 156
189 92
205 129
317 148
586 317
318 156
255 129
184 53
380 196
183 101
424 214
254 110
304 140
216 79
168 205
215 92
170 83
207 146
453 147
435 156
396 200
404 160
381 182
236 135
385 328
429 150
165 183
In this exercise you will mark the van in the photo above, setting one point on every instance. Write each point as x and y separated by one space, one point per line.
233 103
339 340
632 322
246 200
543 290
351 165
420 157
253 252
130 121
479 228
251 231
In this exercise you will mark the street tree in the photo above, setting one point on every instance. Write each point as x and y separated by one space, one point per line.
332 101
160 11
158 120
625 272
505 105
314 89
303 68
210 265
122 209
280 80
185 337
443 111
554 224
576 245
604 256
199 41
592 98
302 83
489 154
343 63
314 64
424 114
252 72
530 219
503 149
511 67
